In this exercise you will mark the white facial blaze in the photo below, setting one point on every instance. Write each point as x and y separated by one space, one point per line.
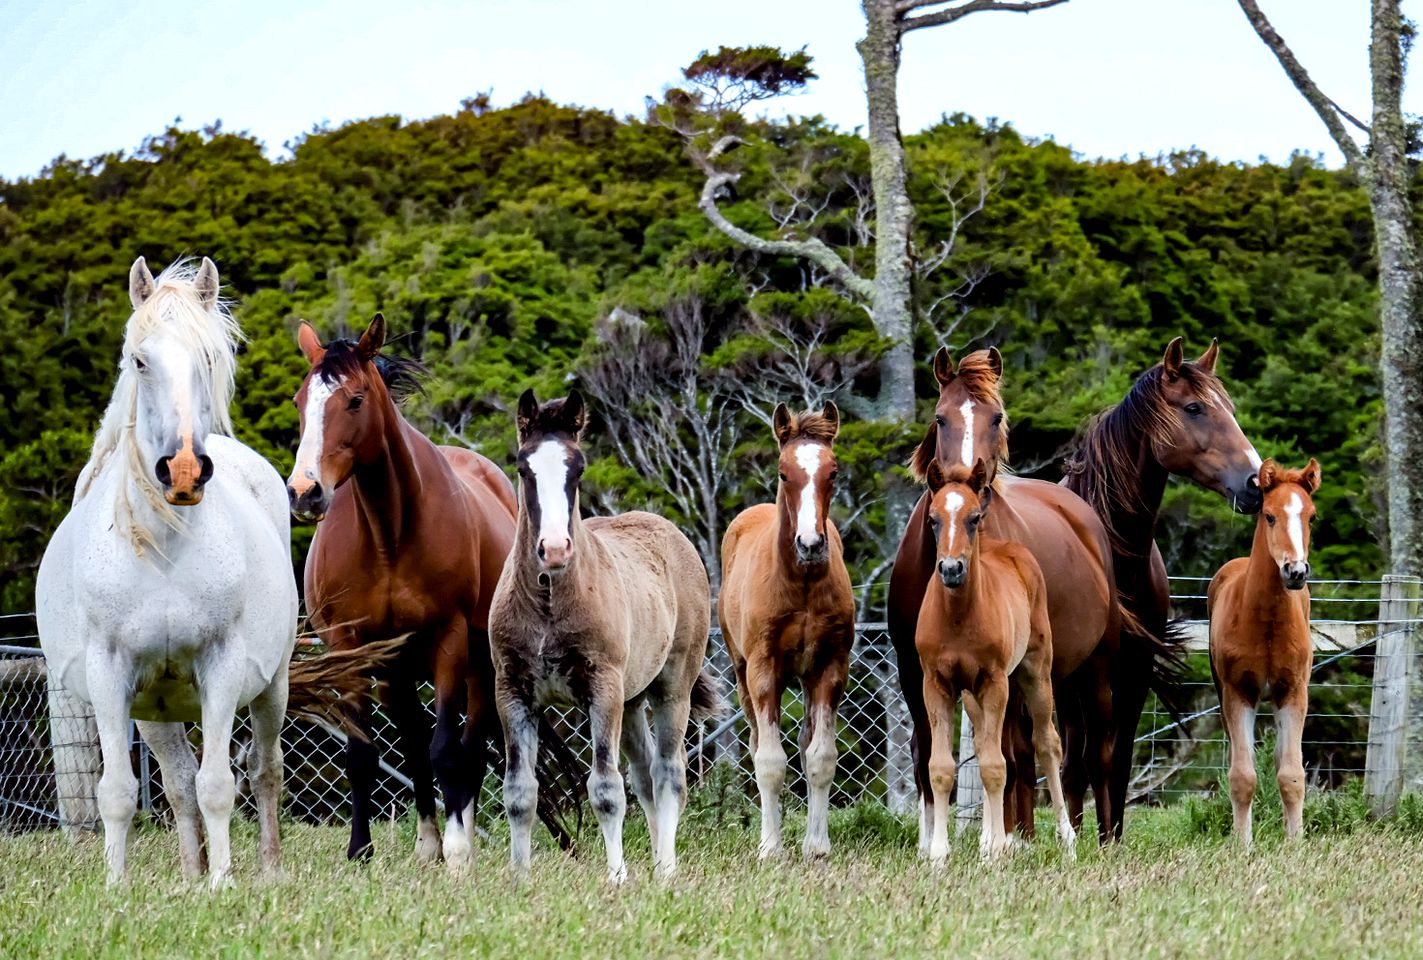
966 447
308 453
178 368
549 464
808 456
953 503
1253 457
1294 523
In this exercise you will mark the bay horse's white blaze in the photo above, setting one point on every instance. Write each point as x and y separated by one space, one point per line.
549 464
807 455
175 611
308 452
966 447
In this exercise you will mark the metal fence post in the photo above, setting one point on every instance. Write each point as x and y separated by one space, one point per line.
1394 673
968 786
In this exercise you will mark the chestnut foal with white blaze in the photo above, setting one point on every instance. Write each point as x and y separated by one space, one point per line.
610 614
1260 641
982 625
788 613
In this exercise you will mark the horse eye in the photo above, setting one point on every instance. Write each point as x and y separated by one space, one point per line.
939 421
784 478
833 475
138 364
998 419
356 402
1270 519
1194 409
973 520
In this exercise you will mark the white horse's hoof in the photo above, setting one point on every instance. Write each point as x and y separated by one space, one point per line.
220 881
617 877
769 852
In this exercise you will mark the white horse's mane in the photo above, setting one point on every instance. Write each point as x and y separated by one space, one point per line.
176 310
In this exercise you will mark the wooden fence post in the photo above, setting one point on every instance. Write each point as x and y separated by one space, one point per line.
1395 672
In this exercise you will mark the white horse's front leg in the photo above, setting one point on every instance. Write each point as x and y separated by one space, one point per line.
109 677
217 789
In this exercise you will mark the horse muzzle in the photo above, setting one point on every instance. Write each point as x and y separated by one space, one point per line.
812 554
555 554
183 475
953 572
309 505
1245 496
1295 574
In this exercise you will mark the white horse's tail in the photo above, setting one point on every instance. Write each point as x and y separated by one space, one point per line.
328 689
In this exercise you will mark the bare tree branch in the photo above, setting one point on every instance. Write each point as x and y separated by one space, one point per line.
950 14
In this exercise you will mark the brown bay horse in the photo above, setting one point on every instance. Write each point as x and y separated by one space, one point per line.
412 538
787 612
1071 548
983 625
610 614
1260 641
1177 419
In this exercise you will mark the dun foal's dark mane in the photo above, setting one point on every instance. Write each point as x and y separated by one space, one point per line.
402 376
549 419
982 383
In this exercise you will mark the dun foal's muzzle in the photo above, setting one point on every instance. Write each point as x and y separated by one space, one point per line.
554 554
310 503
816 551
953 572
183 475
1295 573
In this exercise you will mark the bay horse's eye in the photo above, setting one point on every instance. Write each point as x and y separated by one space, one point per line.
998 419
1270 519
356 402
1194 409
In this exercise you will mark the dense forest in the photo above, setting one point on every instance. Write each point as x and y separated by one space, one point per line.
544 245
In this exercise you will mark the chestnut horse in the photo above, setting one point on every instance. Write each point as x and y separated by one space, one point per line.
1070 547
610 614
411 540
1260 641
788 613
983 625
1177 419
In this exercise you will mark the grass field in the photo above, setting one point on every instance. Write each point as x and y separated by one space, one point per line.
1177 888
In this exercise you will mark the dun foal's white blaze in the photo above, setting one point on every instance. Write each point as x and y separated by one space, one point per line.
807 455
549 465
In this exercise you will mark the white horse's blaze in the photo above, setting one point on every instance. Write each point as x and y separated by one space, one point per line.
953 502
549 464
807 518
966 447
1294 523
308 452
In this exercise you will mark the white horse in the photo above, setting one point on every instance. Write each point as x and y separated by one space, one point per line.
167 593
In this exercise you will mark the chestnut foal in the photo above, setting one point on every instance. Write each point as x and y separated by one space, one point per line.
984 624
1259 640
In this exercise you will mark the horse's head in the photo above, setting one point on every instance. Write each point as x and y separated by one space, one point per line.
807 469
959 499
1193 428
344 405
178 350
970 423
1285 517
550 465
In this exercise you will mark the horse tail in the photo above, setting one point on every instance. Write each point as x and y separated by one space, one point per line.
1167 650
709 700
328 689
561 786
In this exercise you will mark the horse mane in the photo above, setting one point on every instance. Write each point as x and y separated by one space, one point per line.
403 376
811 425
550 419
1103 468
982 382
176 310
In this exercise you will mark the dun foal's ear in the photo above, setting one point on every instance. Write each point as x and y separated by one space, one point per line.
207 283
943 367
1173 359
1309 477
1207 360
373 339
575 413
781 424
310 343
528 409
1269 474
140 283
995 362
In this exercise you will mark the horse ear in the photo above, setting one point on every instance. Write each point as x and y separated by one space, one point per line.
373 339
140 283
781 424
978 478
1269 474
575 413
832 414
1309 478
995 362
943 367
207 283
934 476
310 343
1173 359
528 409
1207 360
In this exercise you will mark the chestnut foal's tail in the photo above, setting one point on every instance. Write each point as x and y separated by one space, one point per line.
328 689
709 700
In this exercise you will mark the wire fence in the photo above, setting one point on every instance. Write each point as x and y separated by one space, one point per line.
49 759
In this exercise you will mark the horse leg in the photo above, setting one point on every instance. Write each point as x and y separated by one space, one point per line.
1020 794
1129 694
818 755
1291 706
412 730
1074 743
481 725
1238 715
117 793
939 703
639 749
169 743
361 764
1034 678
268 711
987 705
605 781
521 783
1094 681
669 775
769 757
217 788
446 748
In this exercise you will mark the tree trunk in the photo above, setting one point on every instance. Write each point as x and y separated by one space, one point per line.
890 308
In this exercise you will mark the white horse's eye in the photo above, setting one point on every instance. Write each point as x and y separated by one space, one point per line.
138 364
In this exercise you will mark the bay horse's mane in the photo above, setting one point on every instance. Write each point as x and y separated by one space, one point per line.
811 425
402 376
981 380
1103 470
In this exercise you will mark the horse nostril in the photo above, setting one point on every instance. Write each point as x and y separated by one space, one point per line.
541 551
161 471
1253 483
204 469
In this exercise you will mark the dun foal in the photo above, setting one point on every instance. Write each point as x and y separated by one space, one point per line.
985 621
1259 610
787 613
610 614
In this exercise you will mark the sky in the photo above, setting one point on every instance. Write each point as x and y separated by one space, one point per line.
1110 78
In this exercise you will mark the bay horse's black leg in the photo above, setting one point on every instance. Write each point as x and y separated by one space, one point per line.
361 763
1129 694
447 756
413 728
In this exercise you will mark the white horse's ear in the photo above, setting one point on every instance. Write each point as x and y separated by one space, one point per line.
140 283
207 283
310 343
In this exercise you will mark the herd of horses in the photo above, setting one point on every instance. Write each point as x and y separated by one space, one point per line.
166 596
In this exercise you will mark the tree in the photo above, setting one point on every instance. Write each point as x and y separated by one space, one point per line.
1383 167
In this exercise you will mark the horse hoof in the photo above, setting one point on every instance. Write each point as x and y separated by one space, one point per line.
220 881
361 854
427 842
617 877
665 871
768 853
816 852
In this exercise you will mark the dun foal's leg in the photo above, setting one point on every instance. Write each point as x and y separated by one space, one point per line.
521 783
268 711
986 708
412 730
1291 706
1034 678
669 775
763 711
939 704
817 751
169 743
639 750
217 789
605 782
1238 714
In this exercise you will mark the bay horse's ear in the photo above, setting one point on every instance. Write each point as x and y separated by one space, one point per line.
1269 474
1309 476
1207 360
943 367
781 424
832 414
934 476
575 413
310 343
140 283
207 283
373 339
1173 359
528 409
